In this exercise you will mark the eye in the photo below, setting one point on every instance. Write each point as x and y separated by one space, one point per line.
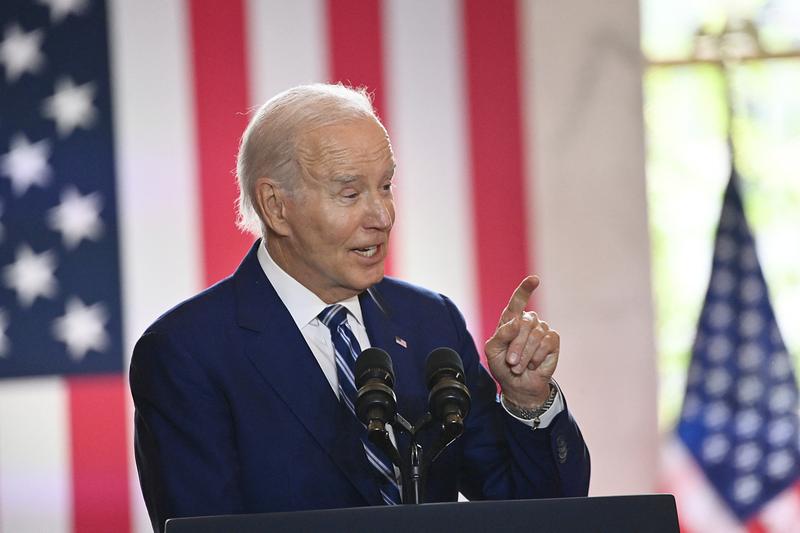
387 187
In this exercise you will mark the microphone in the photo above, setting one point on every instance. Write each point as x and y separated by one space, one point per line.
449 398
376 403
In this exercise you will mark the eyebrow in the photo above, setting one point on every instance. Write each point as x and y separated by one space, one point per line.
349 178
345 178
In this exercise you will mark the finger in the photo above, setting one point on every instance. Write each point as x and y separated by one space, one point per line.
546 355
545 327
531 348
528 322
502 338
519 299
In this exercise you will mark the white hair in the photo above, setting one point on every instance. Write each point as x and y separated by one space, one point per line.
270 142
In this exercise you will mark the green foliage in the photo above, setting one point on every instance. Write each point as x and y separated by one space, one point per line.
688 164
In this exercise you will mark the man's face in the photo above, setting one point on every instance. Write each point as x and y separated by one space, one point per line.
341 215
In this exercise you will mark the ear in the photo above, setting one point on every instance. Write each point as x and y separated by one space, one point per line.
270 201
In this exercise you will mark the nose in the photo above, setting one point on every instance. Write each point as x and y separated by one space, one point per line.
381 214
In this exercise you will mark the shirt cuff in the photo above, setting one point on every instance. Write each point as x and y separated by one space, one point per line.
545 418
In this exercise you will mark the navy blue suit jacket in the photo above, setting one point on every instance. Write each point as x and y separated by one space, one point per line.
234 414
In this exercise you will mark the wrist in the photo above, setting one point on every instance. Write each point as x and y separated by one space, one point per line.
530 410
529 400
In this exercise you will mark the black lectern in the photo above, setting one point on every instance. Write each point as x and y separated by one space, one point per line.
611 514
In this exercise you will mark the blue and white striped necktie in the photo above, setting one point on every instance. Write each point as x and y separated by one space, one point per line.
347 350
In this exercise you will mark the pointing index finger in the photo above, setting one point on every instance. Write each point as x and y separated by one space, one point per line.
519 299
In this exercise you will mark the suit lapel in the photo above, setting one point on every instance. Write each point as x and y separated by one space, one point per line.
401 343
282 357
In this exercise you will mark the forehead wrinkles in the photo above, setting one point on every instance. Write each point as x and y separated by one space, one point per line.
329 155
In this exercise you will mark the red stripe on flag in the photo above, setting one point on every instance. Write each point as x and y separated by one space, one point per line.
755 526
498 190
355 48
99 454
355 51
221 100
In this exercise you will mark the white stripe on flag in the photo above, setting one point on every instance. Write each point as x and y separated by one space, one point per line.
782 513
35 476
434 242
156 168
286 45
156 174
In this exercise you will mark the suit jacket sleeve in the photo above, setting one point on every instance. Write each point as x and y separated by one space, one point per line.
504 458
184 441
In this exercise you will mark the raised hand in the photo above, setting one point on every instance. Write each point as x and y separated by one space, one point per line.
523 352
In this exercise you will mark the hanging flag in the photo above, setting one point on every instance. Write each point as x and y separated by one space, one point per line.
739 421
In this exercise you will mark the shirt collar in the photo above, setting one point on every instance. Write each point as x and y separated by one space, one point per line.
303 305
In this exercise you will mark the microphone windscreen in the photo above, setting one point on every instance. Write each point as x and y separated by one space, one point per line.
443 359
372 363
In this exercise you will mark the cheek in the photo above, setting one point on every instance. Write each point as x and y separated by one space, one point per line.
390 209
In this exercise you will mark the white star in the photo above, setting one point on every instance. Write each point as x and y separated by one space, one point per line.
719 348
19 52
77 217
779 464
725 248
748 390
748 423
782 399
31 275
717 382
751 355
780 431
746 489
59 9
4 343
26 164
720 314
746 456
715 447
751 323
70 106
717 415
81 328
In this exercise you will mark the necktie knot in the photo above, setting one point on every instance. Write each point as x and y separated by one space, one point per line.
333 316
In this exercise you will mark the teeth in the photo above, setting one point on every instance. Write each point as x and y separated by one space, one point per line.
367 252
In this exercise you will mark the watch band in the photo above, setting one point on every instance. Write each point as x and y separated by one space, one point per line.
531 414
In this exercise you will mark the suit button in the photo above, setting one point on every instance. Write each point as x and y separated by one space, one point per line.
561 449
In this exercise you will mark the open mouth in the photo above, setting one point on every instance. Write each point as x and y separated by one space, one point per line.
368 251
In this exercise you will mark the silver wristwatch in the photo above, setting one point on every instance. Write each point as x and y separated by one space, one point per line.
531 414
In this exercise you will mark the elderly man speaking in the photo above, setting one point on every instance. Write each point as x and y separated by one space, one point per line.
243 400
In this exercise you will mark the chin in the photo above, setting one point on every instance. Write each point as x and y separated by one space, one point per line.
371 279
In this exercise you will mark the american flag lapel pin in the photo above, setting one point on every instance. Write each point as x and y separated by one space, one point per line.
401 342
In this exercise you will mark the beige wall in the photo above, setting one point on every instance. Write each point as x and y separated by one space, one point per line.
583 73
